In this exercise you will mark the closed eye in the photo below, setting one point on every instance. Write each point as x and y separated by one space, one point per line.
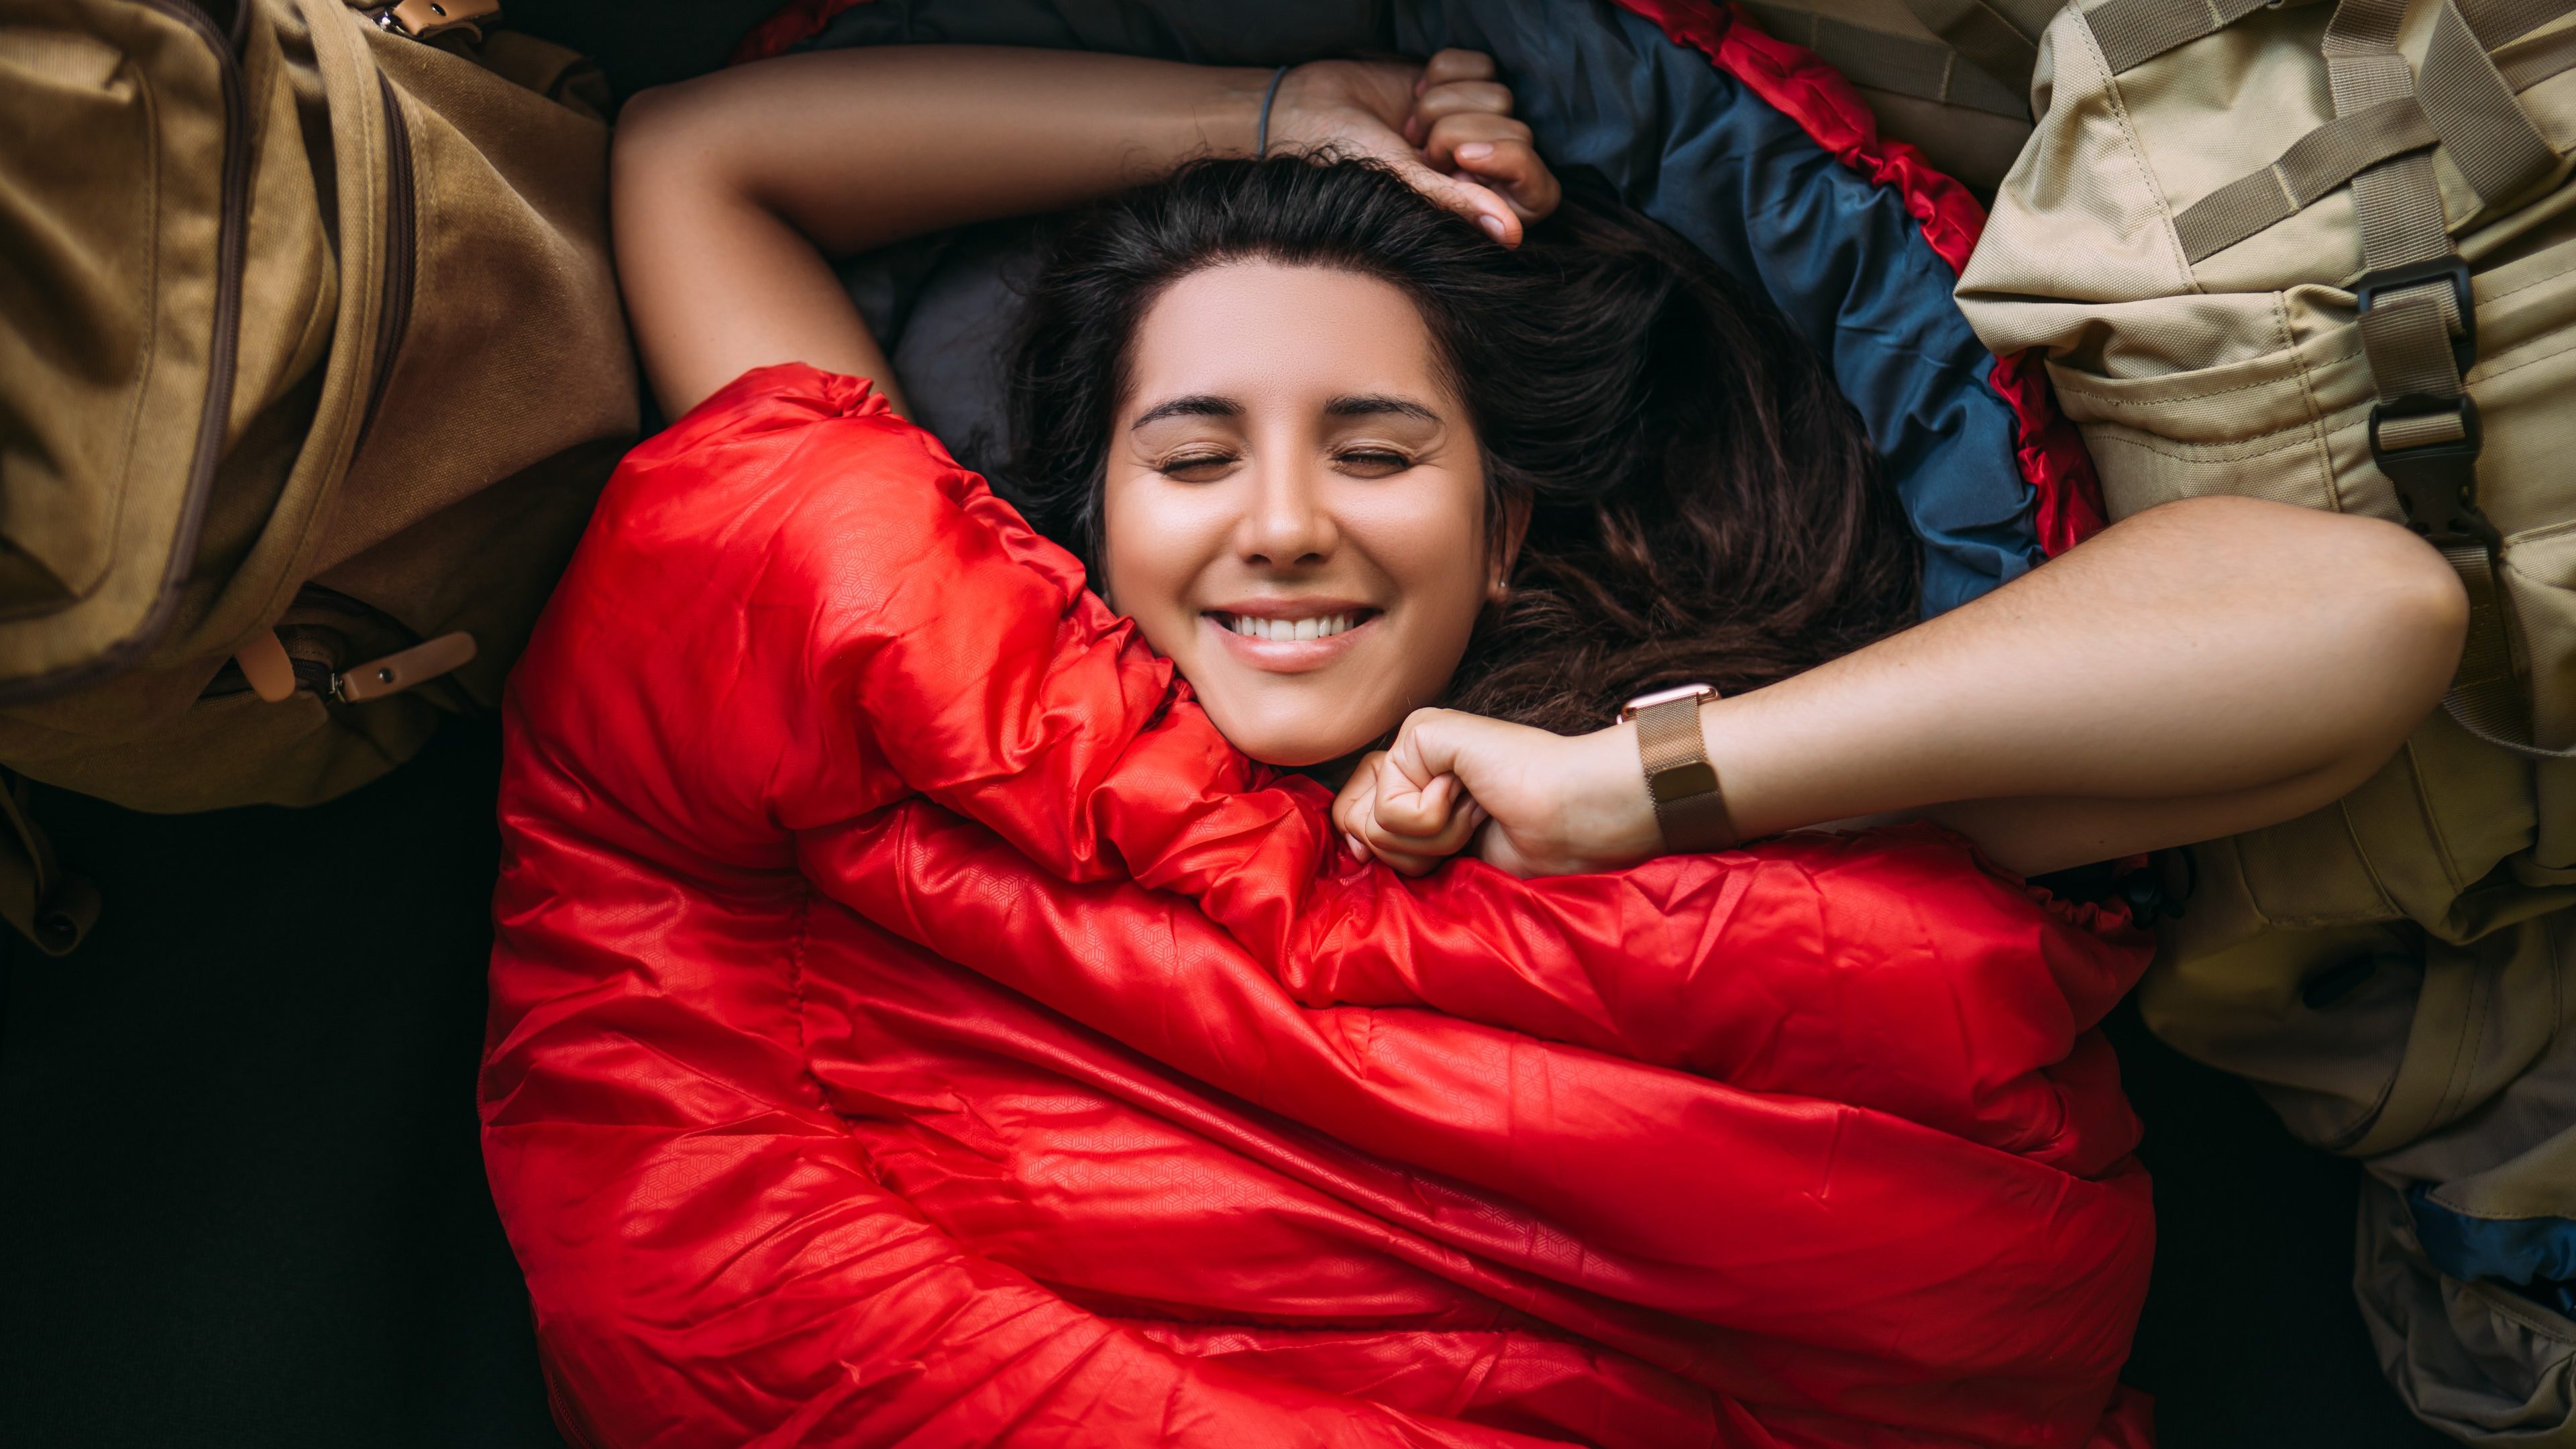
1372 462
1196 467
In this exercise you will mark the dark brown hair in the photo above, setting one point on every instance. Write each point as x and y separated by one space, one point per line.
1704 504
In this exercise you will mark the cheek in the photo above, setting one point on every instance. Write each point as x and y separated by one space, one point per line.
1429 541
1153 540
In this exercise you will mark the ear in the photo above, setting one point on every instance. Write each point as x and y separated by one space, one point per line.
1511 526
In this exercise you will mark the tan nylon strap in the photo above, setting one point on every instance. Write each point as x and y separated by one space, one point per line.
2526 63
1988 37
2133 32
2496 21
1690 803
2314 165
2483 128
1898 64
2421 430
2363 27
2407 334
2407 338
2486 696
2397 204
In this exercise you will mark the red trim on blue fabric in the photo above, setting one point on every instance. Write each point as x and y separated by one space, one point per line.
1795 83
1813 94
792 25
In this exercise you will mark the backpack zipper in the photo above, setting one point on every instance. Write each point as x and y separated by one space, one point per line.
222 357
402 258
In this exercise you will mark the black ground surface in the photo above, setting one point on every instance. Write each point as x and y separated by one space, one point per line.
242 1204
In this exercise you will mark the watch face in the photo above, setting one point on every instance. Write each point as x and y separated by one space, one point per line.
1666 696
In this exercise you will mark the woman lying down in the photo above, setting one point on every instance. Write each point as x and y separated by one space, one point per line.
1202 965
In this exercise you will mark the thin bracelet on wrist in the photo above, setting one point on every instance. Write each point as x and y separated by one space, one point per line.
1261 133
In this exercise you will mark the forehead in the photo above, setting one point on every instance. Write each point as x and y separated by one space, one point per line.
1258 331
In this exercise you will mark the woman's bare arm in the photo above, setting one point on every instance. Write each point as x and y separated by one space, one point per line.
2203 668
729 193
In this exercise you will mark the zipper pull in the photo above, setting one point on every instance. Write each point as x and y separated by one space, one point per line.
264 663
402 669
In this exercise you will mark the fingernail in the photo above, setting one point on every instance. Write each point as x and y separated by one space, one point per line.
1475 150
1493 226
1358 851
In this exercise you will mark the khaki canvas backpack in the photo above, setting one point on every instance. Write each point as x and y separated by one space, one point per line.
314 365
2326 253
1949 76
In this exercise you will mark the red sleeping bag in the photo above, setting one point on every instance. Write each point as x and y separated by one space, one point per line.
912 1022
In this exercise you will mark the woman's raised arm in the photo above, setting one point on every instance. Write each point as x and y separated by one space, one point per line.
730 192
2206 667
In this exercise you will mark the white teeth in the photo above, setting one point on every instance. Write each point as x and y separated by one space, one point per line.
1286 630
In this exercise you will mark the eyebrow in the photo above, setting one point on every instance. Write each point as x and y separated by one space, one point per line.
1366 404
1196 405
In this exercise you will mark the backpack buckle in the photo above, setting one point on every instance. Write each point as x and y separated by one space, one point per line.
2454 269
2436 478
422 19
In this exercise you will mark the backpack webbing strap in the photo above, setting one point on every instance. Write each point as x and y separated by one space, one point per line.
1899 64
2463 102
1998 37
2484 130
2418 318
2494 22
2133 32
2526 63
2313 167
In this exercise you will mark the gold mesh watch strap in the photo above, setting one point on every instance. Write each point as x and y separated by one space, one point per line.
1689 806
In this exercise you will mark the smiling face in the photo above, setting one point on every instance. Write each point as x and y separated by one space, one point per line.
1294 507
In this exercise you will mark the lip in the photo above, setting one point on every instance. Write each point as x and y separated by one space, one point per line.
1289 656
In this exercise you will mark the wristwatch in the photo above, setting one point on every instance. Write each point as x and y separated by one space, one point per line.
1689 806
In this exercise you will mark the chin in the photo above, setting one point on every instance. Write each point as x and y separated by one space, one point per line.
1293 747
1292 753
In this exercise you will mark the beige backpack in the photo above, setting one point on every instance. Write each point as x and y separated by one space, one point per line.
2326 253
1949 76
314 366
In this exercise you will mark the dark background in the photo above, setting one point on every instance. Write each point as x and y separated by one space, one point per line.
242 1200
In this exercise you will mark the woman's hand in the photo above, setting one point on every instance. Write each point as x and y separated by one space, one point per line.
1445 126
1546 804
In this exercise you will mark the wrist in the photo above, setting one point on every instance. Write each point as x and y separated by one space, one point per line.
1610 814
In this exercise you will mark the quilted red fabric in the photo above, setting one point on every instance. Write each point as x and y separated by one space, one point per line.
912 1022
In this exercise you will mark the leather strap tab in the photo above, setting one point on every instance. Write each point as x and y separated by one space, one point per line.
400 671
264 663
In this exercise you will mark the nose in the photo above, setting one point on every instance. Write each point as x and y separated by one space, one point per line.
1287 520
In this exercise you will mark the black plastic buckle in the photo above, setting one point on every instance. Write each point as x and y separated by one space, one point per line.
2453 269
2437 484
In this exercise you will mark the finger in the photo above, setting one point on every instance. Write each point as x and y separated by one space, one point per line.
1404 864
1482 98
1457 824
1412 816
1454 65
1509 167
1411 854
1472 200
1357 799
1426 747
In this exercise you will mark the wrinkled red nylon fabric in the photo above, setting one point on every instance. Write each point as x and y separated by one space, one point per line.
912 1022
